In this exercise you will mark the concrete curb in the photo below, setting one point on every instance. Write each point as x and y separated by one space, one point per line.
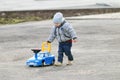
93 18
47 14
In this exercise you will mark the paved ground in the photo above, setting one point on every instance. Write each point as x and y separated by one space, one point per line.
97 52
16 5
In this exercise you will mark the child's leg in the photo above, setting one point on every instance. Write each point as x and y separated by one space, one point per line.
67 49
60 53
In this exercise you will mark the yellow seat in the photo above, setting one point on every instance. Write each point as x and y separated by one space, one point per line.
46 47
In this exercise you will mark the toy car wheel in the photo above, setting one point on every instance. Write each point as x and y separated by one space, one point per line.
53 62
43 63
30 65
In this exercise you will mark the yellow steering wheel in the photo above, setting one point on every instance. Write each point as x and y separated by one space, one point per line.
46 47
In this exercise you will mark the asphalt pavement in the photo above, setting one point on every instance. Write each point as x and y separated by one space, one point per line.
96 54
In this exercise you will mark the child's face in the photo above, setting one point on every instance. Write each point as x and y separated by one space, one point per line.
57 24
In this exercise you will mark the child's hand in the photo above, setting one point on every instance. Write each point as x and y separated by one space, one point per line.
74 40
48 42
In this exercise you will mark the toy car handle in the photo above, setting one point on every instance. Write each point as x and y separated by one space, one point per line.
46 47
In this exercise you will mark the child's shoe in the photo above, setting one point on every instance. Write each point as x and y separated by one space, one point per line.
69 63
58 64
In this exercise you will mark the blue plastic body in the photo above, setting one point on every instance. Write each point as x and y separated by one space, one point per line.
40 59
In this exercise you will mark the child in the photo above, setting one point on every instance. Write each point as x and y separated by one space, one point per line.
65 35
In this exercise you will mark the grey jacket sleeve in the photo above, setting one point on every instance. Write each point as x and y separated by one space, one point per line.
52 35
71 31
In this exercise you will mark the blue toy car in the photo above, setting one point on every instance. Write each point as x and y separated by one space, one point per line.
42 56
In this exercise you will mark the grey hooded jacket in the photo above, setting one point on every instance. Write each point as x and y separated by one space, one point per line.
63 33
